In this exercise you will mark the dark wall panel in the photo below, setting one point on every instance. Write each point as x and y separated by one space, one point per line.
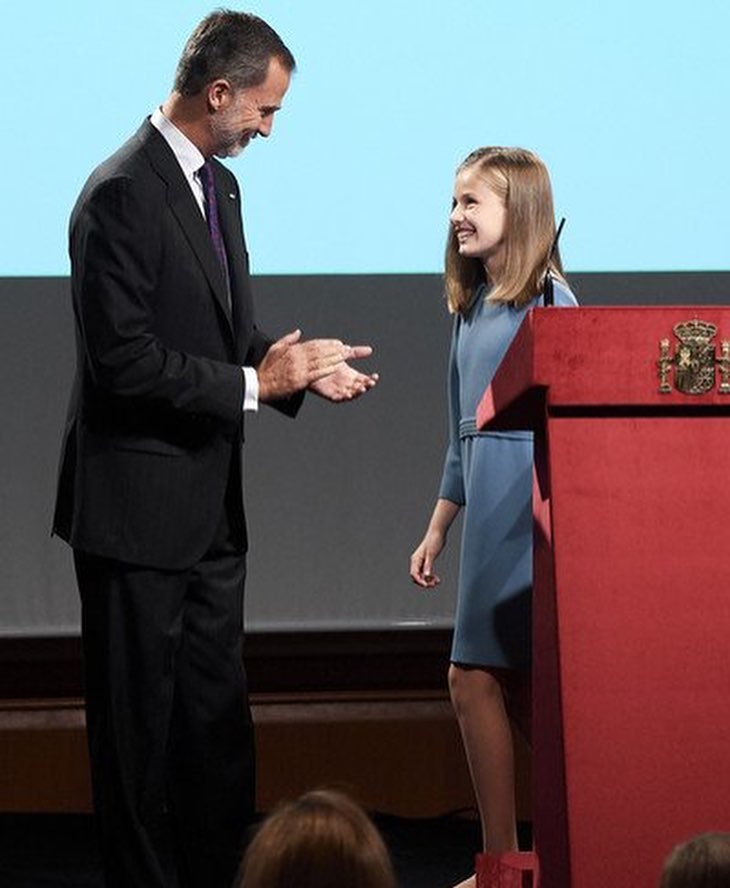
336 499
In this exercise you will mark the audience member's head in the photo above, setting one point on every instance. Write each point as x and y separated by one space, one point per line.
321 840
701 862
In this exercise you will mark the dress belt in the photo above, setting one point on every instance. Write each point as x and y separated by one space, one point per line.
468 429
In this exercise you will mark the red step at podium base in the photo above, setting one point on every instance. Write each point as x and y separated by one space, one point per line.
513 869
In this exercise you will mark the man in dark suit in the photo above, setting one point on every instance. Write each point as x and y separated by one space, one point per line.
150 493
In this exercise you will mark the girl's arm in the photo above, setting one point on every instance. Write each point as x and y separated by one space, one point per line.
432 544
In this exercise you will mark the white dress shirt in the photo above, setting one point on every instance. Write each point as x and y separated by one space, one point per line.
191 160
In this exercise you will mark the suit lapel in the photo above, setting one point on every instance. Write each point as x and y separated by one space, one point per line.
183 205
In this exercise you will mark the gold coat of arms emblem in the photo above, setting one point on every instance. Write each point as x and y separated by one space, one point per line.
694 365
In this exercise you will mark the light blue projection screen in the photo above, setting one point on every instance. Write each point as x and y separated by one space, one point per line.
625 101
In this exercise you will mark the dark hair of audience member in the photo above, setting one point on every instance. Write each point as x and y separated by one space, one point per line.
700 862
321 840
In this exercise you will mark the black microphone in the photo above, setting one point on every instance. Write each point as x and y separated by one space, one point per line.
548 295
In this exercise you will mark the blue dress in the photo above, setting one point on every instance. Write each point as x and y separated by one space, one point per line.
490 474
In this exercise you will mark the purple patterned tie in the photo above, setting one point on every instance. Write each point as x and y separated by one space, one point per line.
211 214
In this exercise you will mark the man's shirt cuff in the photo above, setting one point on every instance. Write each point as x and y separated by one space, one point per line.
250 389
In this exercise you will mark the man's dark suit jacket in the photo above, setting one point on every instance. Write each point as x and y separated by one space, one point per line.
155 422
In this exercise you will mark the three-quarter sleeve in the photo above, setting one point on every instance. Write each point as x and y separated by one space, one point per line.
452 479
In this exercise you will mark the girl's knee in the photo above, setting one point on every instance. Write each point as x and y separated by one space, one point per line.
470 686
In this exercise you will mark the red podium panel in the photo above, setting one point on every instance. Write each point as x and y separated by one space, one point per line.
632 582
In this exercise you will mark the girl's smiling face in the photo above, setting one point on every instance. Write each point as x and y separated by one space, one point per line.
478 218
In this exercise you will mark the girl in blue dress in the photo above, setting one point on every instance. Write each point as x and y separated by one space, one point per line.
498 260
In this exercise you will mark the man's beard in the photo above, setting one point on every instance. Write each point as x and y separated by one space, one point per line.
228 142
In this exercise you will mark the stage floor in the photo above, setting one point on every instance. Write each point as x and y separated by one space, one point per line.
58 851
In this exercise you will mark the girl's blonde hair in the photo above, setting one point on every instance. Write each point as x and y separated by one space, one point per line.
321 840
521 180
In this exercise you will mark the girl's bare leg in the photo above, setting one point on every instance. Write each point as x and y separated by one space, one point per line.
479 703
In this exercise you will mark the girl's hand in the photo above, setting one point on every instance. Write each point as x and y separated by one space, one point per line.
423 558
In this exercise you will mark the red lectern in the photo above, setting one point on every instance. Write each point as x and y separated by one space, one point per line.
631 410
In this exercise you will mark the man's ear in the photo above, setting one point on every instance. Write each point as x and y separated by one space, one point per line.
218 94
